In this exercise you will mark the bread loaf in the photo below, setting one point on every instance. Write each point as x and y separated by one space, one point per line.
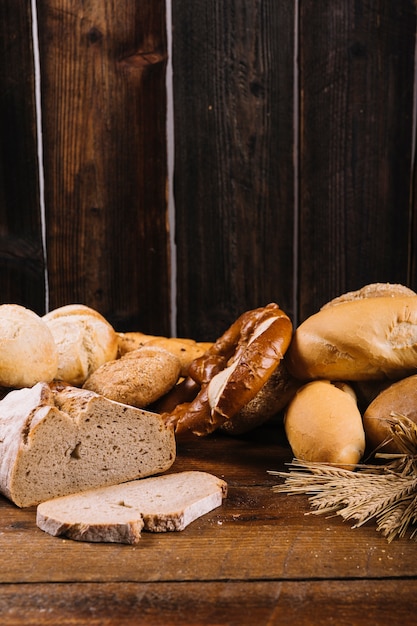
119 513
28 353
138 378
373 290
323 424
186 350
56 440
84 340
364 339
399 399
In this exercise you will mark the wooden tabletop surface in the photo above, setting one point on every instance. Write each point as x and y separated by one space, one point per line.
257 559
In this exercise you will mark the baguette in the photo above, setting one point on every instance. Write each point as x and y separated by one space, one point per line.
364 339
119 513
57 439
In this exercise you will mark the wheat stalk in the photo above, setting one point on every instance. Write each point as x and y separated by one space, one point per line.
385 493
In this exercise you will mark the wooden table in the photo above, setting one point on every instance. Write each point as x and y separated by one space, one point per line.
258 559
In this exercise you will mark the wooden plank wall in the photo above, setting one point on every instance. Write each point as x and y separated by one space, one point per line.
294 156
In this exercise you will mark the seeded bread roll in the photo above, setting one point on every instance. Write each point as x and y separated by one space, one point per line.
84 340
57 440
399 399
119 513
28 353
323 424
138 378
365 339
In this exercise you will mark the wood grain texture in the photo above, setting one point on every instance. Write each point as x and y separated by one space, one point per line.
233 86
357 78
233 603
256 559
21 255
104 107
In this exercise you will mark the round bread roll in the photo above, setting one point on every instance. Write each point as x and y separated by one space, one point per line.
272 398
373 290
28 353
84 339
138 378
399 399
323 424
365 339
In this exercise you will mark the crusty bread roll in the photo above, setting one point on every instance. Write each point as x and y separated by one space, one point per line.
373 290
399 399
186 350
119 513
364 339
84 339
57 440
138 378
272 398
323 424
28 353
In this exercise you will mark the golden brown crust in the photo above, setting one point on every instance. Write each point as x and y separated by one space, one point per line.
365 339
138 378
245 357
373 290
323 424
400 398
272 398
186 350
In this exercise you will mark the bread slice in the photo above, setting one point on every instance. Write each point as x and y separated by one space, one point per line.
119 513
57 439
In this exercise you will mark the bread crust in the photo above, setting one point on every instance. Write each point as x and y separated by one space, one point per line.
28 352
138 378
84 339
119 513
323 424
399 399
57 440
365 339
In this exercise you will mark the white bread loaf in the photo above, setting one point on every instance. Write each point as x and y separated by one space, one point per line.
57 439
119 513
84 339
323 424
138 378
28 352
364 339
373 290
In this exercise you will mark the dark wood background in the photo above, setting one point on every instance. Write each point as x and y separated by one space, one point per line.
294 176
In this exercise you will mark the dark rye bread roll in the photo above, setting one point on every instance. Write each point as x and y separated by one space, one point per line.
57 440
364 339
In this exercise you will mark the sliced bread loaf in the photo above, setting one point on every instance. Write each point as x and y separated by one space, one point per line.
57 439
119 513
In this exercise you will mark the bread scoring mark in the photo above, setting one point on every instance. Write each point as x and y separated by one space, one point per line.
403 334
